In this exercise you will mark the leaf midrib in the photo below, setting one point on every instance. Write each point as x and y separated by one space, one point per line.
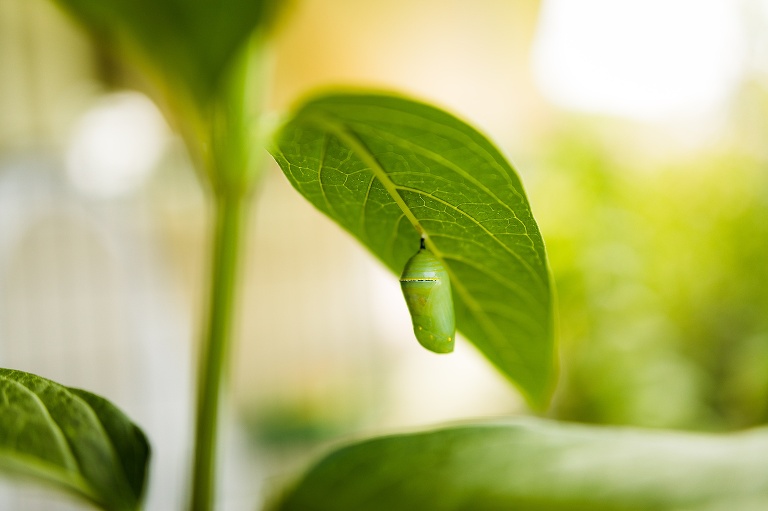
341 131
438 158
439 128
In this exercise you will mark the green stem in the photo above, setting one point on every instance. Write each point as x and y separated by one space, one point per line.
230 215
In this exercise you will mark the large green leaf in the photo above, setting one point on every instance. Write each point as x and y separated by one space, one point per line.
535 465
389 169
71 438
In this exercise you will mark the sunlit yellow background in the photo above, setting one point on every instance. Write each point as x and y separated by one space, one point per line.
640 129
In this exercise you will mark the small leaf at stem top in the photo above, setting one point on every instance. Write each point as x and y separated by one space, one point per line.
191 43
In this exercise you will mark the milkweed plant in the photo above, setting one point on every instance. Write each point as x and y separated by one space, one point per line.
439 205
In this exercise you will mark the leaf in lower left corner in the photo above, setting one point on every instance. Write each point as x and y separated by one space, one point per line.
72 439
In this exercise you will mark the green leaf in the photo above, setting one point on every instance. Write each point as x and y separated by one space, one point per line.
190 42
538 465
201 58
389 169
71 438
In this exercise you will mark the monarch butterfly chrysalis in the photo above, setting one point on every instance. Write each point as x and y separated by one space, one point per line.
427 291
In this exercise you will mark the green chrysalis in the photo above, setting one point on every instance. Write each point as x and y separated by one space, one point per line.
427 291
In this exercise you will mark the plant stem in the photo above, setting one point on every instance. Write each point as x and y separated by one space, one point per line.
230 213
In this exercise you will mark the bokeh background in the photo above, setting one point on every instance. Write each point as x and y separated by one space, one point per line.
640 129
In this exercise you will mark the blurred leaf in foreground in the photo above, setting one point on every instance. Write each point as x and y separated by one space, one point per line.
537 465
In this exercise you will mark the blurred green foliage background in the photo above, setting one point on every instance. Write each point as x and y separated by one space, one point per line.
660 268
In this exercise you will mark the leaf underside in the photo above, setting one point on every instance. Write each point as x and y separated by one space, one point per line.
389 169
72 439
537 465
191 42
